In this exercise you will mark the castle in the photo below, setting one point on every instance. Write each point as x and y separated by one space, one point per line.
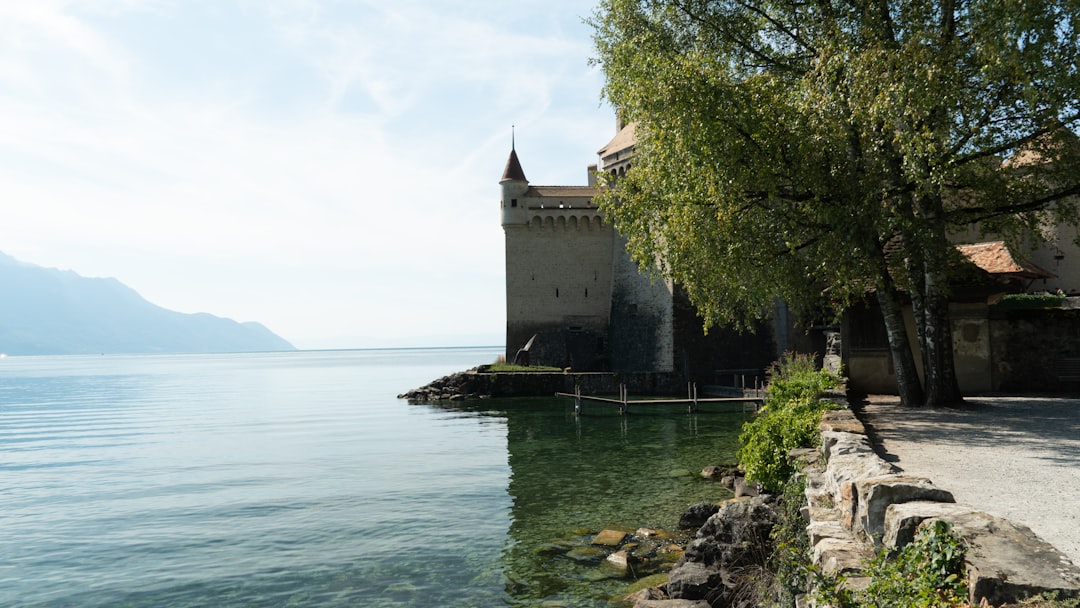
575 299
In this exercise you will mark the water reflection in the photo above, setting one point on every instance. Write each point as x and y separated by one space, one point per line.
571 476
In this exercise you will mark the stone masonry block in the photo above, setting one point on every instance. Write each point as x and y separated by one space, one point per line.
837 443
847 504
1007 562
875 494
902 519
841 421
841 555
854 466
820 530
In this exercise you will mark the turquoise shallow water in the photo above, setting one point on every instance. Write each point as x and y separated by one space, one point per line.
298 479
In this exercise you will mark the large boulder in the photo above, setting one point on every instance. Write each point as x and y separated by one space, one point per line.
696 515
695 581
735 536
671 604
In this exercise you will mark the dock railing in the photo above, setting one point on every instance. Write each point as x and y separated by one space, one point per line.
692 402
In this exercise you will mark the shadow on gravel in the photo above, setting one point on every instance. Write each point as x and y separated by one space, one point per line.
1047 427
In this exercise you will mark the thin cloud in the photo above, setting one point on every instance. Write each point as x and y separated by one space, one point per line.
351 168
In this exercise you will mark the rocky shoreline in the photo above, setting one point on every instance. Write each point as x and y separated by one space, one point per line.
453 387
714 559
854 504
722 564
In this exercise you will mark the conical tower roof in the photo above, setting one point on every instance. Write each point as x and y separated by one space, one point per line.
513 170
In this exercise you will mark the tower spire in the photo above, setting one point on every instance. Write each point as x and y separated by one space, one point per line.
513 171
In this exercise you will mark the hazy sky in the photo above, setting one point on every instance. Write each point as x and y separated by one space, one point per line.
328 168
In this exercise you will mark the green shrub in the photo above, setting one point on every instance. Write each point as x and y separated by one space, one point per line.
789 420
1028 301
928 573
1047 600
795 377
790 558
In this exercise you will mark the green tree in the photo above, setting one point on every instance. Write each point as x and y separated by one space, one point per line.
821 150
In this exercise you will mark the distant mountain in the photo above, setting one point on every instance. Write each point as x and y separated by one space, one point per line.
45 311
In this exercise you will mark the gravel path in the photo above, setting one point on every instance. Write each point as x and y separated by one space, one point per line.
1013 457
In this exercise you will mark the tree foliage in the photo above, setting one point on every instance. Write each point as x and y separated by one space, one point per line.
821 150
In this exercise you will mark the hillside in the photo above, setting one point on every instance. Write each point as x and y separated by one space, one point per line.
45 311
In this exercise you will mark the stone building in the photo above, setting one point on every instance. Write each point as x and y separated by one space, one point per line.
995 348
575 298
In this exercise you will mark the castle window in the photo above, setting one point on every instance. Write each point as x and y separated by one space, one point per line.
556 292
586 292
513 202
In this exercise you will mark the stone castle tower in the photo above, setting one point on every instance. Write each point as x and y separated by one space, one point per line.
574 298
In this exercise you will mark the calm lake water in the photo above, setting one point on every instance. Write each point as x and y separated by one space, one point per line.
299 479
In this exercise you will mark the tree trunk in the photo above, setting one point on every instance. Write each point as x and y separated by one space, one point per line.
939 365
907 377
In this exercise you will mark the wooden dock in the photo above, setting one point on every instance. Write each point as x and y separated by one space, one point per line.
691 402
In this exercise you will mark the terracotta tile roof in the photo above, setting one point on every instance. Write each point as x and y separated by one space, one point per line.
1062 143
995 258
624 139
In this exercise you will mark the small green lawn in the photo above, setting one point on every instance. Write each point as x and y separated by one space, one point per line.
503 368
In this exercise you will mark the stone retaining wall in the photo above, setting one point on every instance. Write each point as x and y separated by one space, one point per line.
857 503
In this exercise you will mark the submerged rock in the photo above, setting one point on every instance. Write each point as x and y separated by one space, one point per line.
719 471
609 538
586 554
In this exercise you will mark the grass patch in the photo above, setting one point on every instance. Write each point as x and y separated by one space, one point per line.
506 368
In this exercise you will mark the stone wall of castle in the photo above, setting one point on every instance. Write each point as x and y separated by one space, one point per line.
558 284
642 329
